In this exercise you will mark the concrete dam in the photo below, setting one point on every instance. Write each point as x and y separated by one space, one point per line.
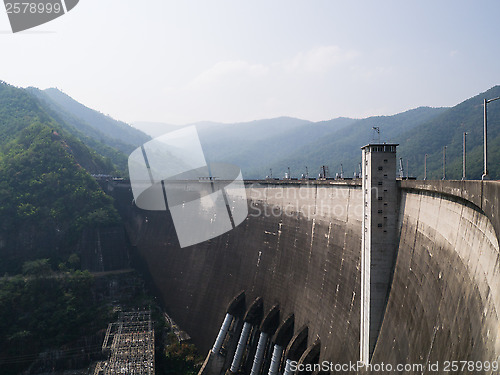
311 276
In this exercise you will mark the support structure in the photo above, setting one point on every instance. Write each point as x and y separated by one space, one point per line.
130 343
485 120
379 234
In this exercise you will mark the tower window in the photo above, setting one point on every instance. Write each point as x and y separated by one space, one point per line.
380 168
379 225
385 160
380 198
379 211
380 183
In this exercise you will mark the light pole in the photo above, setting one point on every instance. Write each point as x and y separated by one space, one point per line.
485 175
425 167
444 163
464 177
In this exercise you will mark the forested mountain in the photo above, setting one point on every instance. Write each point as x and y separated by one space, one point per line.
47 196
284 142
110 138
447 130
95 124
19 110
256 146
48 200
343 146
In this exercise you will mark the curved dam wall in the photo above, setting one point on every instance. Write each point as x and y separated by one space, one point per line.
299 248
444 301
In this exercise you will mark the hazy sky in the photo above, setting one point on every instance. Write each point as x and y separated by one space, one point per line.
184 61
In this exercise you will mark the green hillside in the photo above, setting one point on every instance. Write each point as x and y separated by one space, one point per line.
108 137
343 145
259 146
47 196
18 110
286 142
253 145
447 130
95 124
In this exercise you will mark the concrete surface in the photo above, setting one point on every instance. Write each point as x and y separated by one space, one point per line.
299 248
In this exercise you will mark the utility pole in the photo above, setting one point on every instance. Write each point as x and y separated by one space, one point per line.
444 163
425 167
485 175
464 176
307 172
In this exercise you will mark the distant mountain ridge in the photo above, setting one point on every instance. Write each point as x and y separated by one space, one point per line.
19 110
447 130
155 129
110 138
262 146
281 143
343 146
113 129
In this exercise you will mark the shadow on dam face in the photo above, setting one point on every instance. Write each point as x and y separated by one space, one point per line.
305 257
